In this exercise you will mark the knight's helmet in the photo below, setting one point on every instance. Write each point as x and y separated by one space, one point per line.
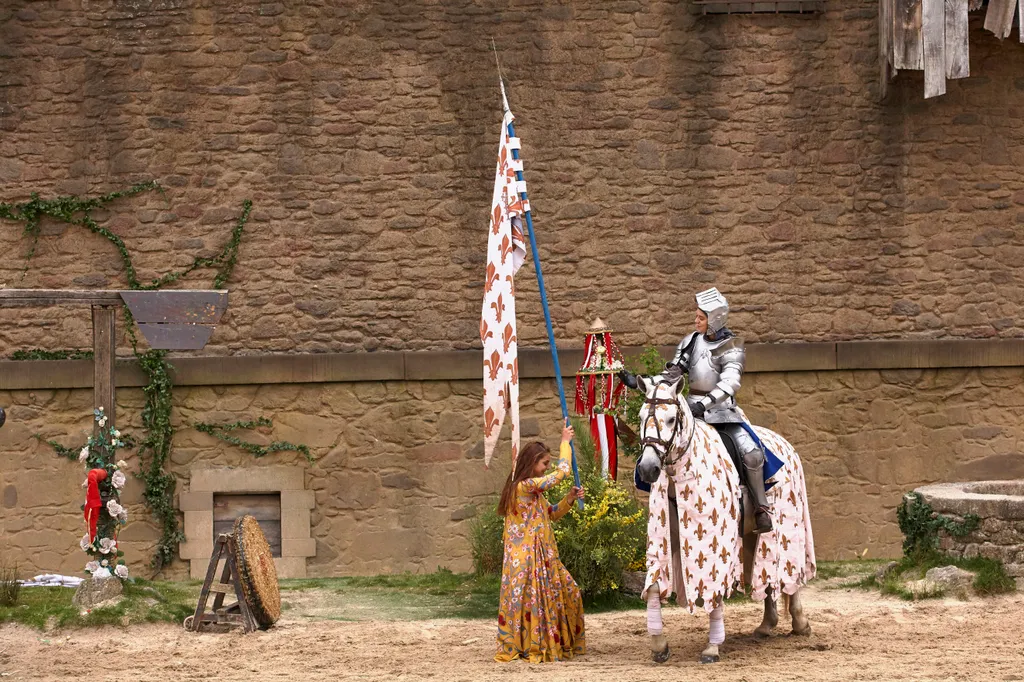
714 305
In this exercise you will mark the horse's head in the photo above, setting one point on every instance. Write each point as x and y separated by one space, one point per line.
665 420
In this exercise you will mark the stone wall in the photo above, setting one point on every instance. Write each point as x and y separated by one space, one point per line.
664 152
399 470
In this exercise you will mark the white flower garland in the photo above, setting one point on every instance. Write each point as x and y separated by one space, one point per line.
107 560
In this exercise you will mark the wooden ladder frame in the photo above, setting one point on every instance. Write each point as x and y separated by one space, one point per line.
237 613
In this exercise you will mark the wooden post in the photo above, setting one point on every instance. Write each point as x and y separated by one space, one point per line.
104 329
885 16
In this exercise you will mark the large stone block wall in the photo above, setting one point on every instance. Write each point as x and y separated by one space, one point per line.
399 468
664 152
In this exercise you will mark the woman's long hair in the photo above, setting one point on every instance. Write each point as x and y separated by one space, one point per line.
525 464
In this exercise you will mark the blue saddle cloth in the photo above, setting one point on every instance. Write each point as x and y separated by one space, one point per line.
772 464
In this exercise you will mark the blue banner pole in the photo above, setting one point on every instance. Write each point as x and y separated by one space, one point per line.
547 313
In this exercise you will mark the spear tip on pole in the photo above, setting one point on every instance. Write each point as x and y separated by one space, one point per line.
501 80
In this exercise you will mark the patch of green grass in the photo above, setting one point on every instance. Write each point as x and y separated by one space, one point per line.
990 575
442 594
845 569
142 602
868 582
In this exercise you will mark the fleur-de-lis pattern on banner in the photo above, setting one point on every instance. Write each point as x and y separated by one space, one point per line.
707 486
506 251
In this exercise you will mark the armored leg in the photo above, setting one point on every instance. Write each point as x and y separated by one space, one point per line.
753 465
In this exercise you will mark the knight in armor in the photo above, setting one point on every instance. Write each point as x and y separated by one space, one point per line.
713 359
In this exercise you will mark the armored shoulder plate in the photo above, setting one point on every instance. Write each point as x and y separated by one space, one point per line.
728 349
730 357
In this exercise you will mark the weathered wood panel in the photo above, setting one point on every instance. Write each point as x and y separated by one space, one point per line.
958 61
104 330
908 48
933 30
264 507
999 18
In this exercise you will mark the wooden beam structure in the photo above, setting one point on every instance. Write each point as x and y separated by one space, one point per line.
171 320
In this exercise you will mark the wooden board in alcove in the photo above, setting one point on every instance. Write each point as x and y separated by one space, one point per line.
265 507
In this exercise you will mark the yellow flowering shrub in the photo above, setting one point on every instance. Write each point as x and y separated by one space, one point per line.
597 544
609 536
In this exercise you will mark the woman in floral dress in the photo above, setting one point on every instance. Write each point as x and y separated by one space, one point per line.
540 615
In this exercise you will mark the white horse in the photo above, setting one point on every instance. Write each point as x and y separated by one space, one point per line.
698 540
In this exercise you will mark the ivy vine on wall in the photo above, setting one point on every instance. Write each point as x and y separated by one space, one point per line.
155 446
221 431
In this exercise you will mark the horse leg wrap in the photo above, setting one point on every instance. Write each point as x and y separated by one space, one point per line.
654 624
716 629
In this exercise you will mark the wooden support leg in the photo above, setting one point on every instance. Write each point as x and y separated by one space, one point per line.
218 614
204 594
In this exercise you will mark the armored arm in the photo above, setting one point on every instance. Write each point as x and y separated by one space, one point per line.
682 357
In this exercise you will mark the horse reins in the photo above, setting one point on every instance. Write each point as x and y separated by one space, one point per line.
666 444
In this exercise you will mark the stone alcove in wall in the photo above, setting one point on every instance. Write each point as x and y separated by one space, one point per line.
214 494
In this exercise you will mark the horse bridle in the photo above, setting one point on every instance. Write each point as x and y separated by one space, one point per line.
664 446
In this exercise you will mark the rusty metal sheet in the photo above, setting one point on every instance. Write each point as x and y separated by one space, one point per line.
176 336
176 307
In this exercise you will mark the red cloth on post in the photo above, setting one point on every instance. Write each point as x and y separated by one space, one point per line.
93 501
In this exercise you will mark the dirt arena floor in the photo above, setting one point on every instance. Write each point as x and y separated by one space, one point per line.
858 635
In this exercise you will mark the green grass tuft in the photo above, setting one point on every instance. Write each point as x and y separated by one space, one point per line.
142 602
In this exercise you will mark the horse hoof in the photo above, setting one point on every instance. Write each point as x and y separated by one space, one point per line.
761 635
704 658
660 656
803 632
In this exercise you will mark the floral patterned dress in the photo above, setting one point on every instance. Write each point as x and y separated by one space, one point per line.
540 614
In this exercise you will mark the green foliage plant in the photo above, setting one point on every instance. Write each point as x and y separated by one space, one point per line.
40 354
609 535
920 525
486 531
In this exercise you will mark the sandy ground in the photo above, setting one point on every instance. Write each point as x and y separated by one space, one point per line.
857 635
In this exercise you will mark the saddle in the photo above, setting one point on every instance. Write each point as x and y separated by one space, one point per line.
734 455
737 462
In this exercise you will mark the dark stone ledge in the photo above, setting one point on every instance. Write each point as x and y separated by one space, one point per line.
533 364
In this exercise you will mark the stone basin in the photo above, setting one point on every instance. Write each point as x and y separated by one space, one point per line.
987 499
999 506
